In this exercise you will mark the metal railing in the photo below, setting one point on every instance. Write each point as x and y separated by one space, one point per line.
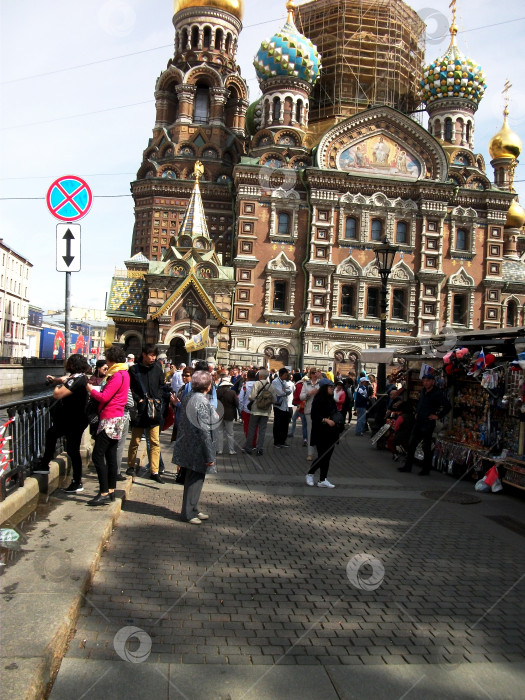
31 419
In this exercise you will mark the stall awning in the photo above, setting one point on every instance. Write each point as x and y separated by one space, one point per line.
383 355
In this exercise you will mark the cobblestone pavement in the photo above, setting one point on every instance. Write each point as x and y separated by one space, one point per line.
371 572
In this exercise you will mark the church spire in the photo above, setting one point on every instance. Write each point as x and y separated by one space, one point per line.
194 224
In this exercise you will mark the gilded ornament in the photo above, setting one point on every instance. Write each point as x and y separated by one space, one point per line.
234 7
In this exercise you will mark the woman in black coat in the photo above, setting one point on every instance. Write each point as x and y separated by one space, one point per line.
325 432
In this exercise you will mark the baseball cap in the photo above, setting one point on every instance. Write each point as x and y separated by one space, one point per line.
364 379
130 356
325 382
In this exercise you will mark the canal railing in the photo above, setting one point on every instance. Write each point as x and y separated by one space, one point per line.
23 426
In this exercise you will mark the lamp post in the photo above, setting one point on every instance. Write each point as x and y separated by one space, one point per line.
191 309
385 254
304 320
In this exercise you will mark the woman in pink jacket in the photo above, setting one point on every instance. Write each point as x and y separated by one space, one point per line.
112 399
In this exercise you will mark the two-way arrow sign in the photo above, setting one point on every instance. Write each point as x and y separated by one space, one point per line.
68 248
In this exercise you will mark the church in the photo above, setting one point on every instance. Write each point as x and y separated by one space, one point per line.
258 220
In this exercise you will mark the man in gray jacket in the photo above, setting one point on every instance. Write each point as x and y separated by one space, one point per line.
282 413
263 397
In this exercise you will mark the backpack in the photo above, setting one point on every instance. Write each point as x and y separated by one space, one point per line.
264 398
297 394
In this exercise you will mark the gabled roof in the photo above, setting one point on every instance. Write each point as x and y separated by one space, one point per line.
191 281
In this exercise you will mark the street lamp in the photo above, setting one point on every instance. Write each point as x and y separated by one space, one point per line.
304 321
385 254
191 309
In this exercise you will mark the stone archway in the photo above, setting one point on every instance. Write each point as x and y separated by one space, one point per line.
133 345
177 352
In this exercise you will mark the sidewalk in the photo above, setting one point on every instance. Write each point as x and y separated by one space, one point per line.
264 585
369 590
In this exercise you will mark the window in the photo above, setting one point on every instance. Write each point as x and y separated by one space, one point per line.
398 304
459 309
372 302
461 239
401 232
284 224
299 111
347 301
218 39
448 129
377 230
279 296
202 105
207 37
276 109
351 228
194 37
512 314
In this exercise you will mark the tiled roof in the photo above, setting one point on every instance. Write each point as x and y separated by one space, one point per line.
514 271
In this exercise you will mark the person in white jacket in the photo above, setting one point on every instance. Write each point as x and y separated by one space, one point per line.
259 414
309 390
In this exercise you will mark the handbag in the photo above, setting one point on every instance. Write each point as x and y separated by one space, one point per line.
250 403
152 408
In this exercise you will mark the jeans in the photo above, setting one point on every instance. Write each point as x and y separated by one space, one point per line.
153 434
256 422
322 461
311 448
281 421
105 461
227 427
73 437
297 415
361 420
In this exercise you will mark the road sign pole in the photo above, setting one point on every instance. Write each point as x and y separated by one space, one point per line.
67 333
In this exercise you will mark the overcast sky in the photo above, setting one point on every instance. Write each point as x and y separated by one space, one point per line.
95 120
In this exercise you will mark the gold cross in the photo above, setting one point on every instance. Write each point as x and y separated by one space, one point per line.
505 93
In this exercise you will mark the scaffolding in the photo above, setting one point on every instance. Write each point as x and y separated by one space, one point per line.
372 54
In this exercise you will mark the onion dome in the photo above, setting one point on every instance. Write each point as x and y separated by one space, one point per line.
288 53
453 75
506 143
234 7
515 215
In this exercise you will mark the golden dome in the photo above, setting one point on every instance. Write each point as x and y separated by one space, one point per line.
515 215
506 143
234 7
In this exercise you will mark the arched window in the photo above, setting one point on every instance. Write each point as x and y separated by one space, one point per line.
287 111
469 131
219 34
459 309
448 129
284 224
512 314
184 42
401 232
201 110
347 301
461 239
299 111
351 228
194 37
377 230
230 108
279 296
276 109
228 42
206 40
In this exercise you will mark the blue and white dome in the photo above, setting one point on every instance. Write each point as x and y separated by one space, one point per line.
288 54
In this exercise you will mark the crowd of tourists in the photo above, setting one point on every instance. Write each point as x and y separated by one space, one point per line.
201 403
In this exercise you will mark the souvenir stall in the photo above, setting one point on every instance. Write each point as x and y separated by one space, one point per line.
485 378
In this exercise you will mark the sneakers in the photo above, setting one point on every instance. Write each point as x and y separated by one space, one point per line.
325 484
305 443
309 478
232 452
260 453
74 488
246 451
219 452
194 521
202 516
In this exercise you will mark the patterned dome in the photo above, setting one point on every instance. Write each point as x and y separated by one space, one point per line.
288 53
453 75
